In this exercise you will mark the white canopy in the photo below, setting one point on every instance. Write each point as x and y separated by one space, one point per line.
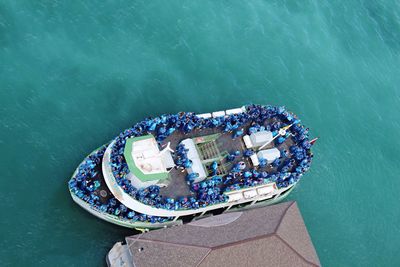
269 154
189 144
260 138
254 160
193 155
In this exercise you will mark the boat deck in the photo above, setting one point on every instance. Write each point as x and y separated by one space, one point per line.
211 152
177 184
102 192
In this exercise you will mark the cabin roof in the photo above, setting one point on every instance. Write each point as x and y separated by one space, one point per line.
275 235
144 158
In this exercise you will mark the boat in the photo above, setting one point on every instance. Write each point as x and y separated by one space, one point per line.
176 168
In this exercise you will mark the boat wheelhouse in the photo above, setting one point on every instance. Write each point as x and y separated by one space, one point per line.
175 168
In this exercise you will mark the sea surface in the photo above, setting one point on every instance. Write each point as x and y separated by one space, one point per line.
73 74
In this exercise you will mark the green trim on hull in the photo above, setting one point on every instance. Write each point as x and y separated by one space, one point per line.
143 226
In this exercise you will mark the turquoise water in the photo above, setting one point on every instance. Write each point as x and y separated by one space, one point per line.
73 74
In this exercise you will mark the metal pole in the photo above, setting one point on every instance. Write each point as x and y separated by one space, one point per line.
279 133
